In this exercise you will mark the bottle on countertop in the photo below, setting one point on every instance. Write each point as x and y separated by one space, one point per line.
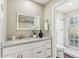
40 34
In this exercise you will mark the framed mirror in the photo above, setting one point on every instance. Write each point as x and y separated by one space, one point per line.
26 22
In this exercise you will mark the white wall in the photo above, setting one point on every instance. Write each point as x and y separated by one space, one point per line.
2 20
26 6
59 28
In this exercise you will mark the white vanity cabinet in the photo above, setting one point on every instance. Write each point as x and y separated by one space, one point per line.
40 49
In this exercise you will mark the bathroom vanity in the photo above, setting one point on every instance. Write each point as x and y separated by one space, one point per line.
20 23
27 48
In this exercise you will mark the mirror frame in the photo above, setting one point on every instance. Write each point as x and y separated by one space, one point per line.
30 28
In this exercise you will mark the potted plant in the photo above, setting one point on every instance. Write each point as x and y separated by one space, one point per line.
34 33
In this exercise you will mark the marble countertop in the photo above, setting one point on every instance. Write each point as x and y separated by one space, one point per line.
9 43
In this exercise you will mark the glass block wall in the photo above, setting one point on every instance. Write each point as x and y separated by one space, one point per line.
73 31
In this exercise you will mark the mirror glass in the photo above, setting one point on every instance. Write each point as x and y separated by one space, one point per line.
25 22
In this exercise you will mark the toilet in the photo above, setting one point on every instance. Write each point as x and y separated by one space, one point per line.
60 51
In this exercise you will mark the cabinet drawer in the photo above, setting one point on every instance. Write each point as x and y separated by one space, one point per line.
38 52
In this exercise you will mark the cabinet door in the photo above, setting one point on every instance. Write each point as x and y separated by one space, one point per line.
27 53
15 55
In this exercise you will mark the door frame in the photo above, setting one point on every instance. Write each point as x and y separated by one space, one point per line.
53 33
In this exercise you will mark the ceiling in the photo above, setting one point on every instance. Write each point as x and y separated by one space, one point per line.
68 6
43 2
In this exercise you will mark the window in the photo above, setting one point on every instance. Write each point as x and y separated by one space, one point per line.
73 31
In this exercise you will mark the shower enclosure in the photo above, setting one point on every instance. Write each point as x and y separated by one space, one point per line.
67 26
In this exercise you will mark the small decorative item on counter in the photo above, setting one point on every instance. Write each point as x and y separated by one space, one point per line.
34 33
21 36
13 37
40 34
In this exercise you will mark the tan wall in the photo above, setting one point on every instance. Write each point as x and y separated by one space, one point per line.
59 27
14 6
48 12
3 22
